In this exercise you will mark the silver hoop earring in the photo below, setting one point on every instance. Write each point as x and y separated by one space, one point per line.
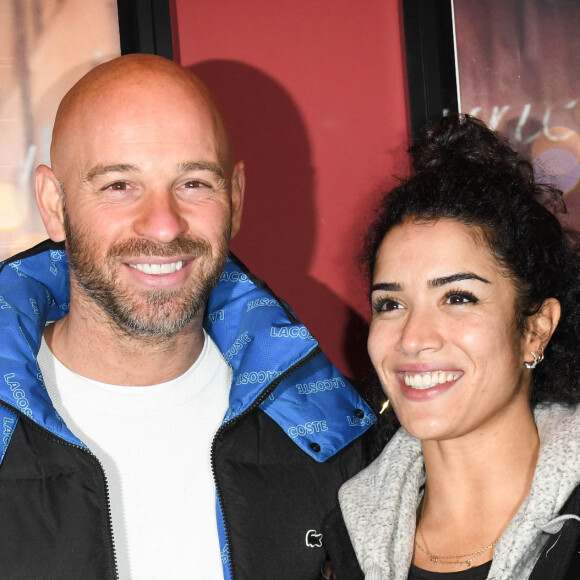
536 362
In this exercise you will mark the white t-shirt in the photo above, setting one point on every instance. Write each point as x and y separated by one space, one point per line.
154 444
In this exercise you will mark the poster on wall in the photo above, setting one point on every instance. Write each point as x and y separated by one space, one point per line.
45 46
517 70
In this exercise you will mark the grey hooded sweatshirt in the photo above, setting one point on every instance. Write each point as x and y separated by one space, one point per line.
379 504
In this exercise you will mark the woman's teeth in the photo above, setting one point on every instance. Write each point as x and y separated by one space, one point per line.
428 380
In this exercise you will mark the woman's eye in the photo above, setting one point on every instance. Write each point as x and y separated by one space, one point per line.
386 305
460 298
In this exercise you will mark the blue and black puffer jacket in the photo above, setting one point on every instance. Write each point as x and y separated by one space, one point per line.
289 439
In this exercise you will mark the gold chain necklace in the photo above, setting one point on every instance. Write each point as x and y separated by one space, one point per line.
469 558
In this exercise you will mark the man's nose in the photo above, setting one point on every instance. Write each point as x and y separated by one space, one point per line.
160 218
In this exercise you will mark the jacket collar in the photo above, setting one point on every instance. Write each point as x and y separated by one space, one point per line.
258 334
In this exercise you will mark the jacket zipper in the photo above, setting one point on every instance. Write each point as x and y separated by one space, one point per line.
256 403
86 450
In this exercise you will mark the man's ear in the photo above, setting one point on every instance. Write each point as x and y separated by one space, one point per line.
238 189
50 201
540 328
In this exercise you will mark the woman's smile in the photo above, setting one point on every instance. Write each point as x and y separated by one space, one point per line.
443 336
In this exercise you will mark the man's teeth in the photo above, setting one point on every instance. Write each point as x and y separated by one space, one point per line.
159 268
428 380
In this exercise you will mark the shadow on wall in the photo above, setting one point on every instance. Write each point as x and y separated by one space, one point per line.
278 234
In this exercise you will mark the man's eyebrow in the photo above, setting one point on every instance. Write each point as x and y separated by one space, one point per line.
443 280
201 166
100 170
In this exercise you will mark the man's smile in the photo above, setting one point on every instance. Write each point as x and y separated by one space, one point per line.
156 269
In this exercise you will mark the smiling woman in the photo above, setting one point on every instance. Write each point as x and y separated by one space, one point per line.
444 333
474 283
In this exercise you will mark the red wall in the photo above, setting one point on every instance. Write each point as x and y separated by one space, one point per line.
314 91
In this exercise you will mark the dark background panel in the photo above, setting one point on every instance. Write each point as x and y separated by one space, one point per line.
430 61
145 26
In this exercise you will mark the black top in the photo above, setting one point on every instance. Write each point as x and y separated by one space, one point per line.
475 573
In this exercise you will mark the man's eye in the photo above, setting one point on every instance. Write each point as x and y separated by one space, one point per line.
118 186
196 184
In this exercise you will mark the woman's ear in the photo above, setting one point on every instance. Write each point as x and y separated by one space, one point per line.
540 328
50 201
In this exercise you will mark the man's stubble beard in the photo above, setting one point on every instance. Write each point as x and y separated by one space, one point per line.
153 313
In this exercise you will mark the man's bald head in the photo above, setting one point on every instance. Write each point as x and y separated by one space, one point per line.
135 85
145 194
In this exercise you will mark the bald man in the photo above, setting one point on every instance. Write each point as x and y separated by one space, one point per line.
184 423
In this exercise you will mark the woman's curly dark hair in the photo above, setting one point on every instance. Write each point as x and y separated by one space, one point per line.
466 172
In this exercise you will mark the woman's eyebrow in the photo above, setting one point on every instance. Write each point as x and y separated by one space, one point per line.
434 283
443 280
387 287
